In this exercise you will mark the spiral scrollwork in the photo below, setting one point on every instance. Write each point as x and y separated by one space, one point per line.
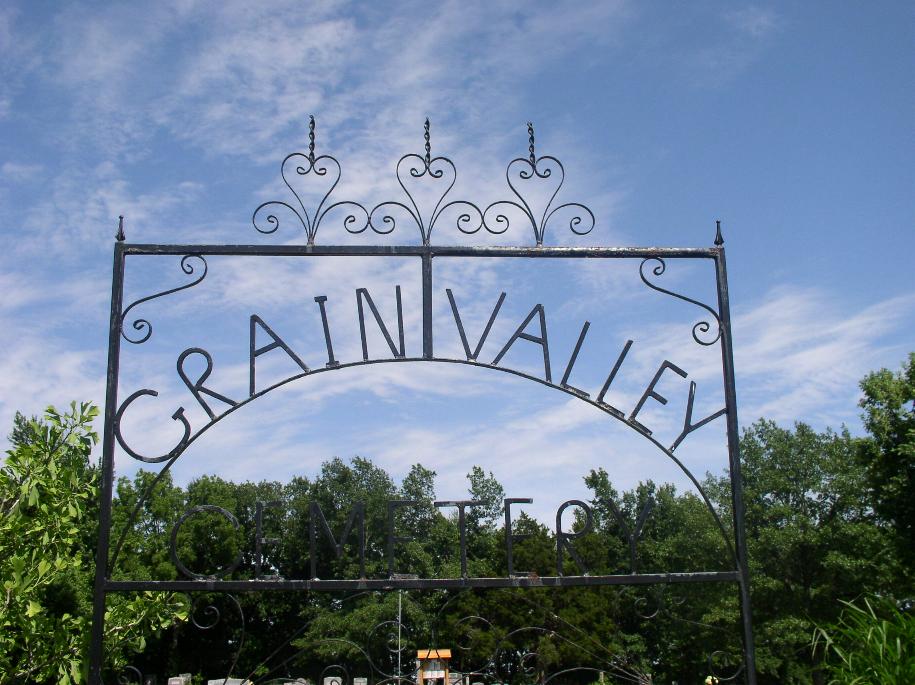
307 175
545 170
509 650
646 611
718 660
465 631
130 675
212 617
658 602
335 674
702 327
581 219
433 172
396 632
143 326
527 664
210 611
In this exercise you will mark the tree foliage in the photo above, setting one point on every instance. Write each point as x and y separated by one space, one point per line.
827 520
49 503
889 456
812 537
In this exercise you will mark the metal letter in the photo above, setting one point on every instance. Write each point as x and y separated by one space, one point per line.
173 542
472 356
358 511
461 505
363 293
177 416
259 539
565 377
331 362
603 391
649 392
393 506
542 340
690 427
197 389
255 352
511 538
562 539
631 536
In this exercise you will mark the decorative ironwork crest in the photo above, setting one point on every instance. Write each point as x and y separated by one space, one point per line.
411 169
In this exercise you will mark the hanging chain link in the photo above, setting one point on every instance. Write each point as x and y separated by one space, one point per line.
530 147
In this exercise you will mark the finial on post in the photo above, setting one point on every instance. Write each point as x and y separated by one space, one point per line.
120 237
428 144
530 147
719 241
311 138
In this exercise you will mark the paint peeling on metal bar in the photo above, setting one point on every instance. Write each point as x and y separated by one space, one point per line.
420 250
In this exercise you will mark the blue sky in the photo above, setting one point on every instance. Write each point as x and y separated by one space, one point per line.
789 122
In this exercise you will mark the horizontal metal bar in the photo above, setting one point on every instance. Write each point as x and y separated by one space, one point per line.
421 250
318 585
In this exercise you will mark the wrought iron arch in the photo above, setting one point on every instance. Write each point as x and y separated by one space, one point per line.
190 437
130 325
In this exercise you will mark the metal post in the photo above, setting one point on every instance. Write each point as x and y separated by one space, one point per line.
104 532
730 397
399 599
427 304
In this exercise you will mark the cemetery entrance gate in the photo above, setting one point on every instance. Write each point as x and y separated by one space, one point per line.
533 186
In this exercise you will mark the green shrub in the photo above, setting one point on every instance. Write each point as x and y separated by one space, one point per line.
869 645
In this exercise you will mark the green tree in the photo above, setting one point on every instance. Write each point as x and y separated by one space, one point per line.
489 492
812 538
665 632
49 504
889 456
144 554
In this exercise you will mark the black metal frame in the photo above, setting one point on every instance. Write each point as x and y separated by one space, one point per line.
379 219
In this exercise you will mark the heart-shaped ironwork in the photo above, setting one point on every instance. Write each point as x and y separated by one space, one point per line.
426 182
306 178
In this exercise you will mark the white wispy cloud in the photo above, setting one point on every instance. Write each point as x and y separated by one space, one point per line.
801 359
219 81
19 171
37 371
19 57
177 115
82 209
753 20
799 353
807 353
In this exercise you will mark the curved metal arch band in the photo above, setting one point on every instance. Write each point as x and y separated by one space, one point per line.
178 451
